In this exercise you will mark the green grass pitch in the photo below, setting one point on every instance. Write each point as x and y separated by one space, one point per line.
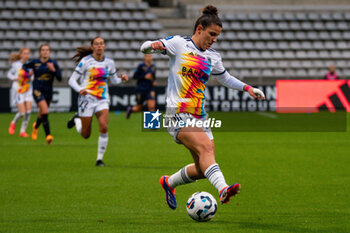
291 182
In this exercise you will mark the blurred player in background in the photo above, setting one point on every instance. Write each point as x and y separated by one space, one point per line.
93 70
331 74
22 89
191 63
145 74
45 71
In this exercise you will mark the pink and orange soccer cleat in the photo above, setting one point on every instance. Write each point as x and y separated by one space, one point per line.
228 192
12 128
23 135
169 192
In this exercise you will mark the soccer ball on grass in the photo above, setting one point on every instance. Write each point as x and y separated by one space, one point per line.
201 206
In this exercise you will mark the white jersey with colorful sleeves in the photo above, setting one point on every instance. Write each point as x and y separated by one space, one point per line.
190 68
94 75
25 83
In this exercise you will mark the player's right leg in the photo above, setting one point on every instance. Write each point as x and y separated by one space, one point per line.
38 97
102 114
20 114
44 110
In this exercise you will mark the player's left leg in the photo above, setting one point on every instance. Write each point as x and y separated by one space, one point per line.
38 97
28 110
140 99
187 174
102 117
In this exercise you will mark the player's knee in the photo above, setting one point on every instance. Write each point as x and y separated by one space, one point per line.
138 108
85 136
104 129
204 149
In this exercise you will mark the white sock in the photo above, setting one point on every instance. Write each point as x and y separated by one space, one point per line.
179 178
25 122
77 122
17 117
102 145
215 176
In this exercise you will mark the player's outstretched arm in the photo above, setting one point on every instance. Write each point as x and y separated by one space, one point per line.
229 81
254 92
152 47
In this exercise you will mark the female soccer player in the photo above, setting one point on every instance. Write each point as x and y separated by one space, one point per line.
22 89
94 69
45 70
145 74
191 62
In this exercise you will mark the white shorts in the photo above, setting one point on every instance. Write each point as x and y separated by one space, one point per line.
23 97
174 130
88 105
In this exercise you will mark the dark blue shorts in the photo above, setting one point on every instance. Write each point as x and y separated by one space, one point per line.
143 96
42 95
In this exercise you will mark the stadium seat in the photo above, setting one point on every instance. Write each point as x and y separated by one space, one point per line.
266 55
271 25
97 25
272 64
259 25
337 16
336 35
318 25
282 25
301 16
260 45
107 5
283 45
46 35
90 15
289 16
247 45
294 25
121 25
